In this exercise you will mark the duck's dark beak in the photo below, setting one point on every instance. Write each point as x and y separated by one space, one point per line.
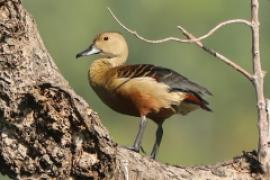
89 51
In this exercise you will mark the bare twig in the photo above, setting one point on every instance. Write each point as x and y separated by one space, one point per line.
171 38
193 39
217 54
217 27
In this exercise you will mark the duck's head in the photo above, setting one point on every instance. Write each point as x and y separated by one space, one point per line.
109 44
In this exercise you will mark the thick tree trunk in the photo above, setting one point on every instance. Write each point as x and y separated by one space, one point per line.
48 131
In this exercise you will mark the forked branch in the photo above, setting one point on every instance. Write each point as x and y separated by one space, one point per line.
216 54
197 41
171 38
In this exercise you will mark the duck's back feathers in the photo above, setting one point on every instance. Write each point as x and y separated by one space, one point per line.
167 76
175 82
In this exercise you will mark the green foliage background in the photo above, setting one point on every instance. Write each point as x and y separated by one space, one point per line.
68 27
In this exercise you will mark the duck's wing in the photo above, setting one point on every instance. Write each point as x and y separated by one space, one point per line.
175 81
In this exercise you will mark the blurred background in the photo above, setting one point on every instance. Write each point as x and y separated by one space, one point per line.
67 27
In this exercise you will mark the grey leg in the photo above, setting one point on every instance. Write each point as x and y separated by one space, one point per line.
159 134
138 141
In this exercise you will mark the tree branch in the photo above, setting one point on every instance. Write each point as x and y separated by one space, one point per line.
209 33
218 55
217 27
193 39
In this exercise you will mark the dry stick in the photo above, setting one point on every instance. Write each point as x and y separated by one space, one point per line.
209 33
192 39
224 23
263 124
217 54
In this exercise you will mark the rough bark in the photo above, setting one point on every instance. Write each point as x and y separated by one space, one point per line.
48 131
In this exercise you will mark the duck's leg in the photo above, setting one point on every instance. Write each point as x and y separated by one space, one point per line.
159 134
138 141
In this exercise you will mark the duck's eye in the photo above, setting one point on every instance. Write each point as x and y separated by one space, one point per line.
106 38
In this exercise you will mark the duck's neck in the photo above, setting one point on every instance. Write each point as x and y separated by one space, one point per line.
99 68
118 60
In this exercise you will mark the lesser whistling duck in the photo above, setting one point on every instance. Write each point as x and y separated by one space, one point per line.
142 90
